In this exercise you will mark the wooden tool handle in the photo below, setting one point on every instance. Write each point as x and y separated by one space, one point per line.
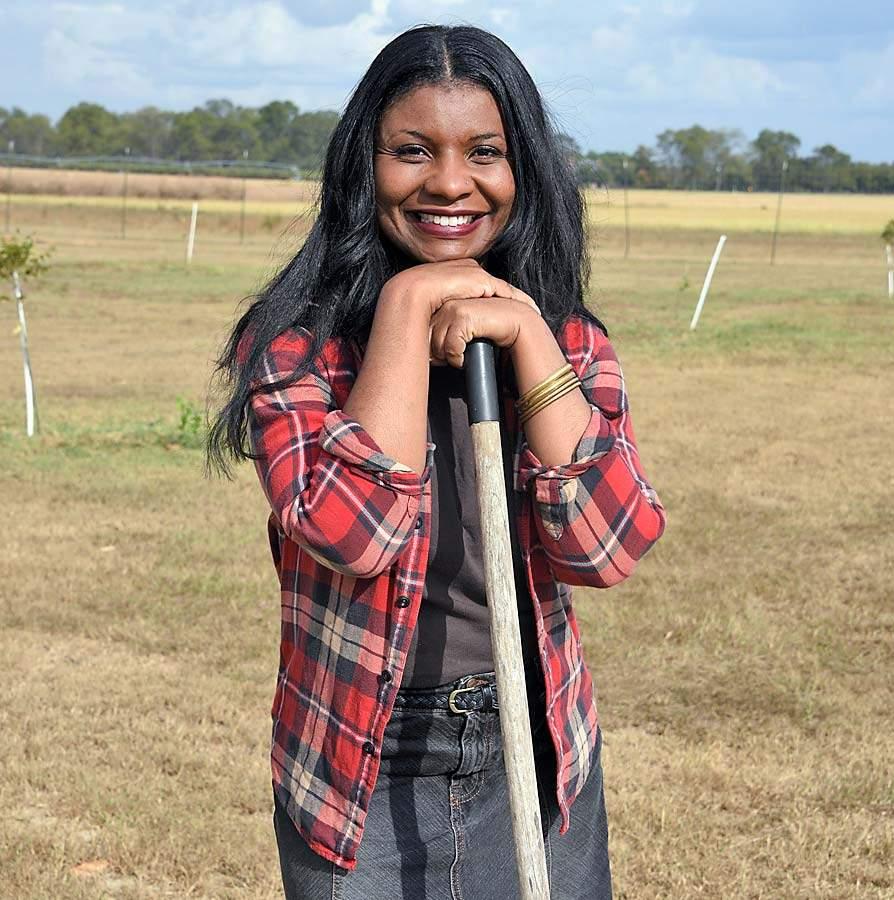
515 723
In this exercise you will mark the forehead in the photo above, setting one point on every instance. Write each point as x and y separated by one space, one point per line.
441 110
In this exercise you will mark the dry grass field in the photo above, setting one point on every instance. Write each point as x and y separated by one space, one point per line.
745 673
74 183
160 204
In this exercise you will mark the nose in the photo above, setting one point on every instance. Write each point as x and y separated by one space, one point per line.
449 178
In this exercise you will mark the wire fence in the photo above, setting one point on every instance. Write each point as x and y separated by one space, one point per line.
232 168
64 200
61 198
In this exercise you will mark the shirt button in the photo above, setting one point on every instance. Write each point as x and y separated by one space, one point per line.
369 748
386 676
403 601
419 523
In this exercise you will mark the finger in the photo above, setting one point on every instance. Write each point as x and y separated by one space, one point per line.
451 329
440 324
514 293
436 340
492 286
527 300
455 341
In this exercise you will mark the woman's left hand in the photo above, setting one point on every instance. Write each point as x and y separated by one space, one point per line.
497 319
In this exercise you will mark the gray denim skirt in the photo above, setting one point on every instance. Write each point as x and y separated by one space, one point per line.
438 825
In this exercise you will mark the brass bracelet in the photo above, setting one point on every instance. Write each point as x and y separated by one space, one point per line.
556 390
548 391
547 401
558 393
535 393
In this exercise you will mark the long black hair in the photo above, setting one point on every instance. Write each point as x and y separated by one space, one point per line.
331 285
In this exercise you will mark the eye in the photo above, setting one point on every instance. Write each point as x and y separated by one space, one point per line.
410 151
485 151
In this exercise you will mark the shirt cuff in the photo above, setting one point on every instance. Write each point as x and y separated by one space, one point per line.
596 440
347 439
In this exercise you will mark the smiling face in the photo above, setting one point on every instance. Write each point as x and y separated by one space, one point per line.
444 186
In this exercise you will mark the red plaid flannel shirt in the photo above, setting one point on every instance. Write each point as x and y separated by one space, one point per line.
349 535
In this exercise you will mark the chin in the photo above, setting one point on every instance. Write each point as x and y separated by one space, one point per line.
455 253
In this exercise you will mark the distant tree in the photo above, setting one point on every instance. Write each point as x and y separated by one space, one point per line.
645 171
88 129
217 130
309 134
683 154
768 150
33 134
723 156
190 136
147 131
278 131
236 134
873 178
736 173
828 169
602 168
220 108
587 171
274 124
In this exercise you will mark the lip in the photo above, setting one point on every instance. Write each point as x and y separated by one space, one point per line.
446 231
440 211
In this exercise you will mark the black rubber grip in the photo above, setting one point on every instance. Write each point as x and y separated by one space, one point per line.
481 382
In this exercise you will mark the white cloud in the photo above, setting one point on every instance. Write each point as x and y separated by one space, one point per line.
612 43
504 17
109 24
77 63
110 44
265 34
616 73
677 10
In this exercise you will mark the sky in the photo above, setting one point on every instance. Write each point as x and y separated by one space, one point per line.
614 74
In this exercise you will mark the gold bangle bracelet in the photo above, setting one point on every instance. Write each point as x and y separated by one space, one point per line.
547 397
547 401
539 389
532 394
539 408
566 379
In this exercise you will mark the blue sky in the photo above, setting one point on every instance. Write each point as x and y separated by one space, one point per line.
614 73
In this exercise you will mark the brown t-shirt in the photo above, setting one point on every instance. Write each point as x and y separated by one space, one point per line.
452 636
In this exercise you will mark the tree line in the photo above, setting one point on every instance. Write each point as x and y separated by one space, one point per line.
219 130
699 158
693 158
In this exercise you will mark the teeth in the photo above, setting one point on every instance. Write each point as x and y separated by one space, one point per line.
449 221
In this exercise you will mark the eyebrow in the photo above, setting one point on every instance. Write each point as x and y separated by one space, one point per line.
474 137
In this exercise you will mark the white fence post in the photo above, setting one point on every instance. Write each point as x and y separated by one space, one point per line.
890 256
30 398
706 286
191 240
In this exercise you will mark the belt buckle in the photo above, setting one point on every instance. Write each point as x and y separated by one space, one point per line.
451 702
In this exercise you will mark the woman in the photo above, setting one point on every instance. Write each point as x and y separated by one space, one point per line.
447 213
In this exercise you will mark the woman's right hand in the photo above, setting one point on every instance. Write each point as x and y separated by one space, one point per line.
390 394
430 285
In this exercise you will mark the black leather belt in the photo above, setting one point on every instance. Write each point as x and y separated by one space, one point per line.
461 700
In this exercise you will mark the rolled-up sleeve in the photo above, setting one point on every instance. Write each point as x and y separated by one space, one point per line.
331 488
597 515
